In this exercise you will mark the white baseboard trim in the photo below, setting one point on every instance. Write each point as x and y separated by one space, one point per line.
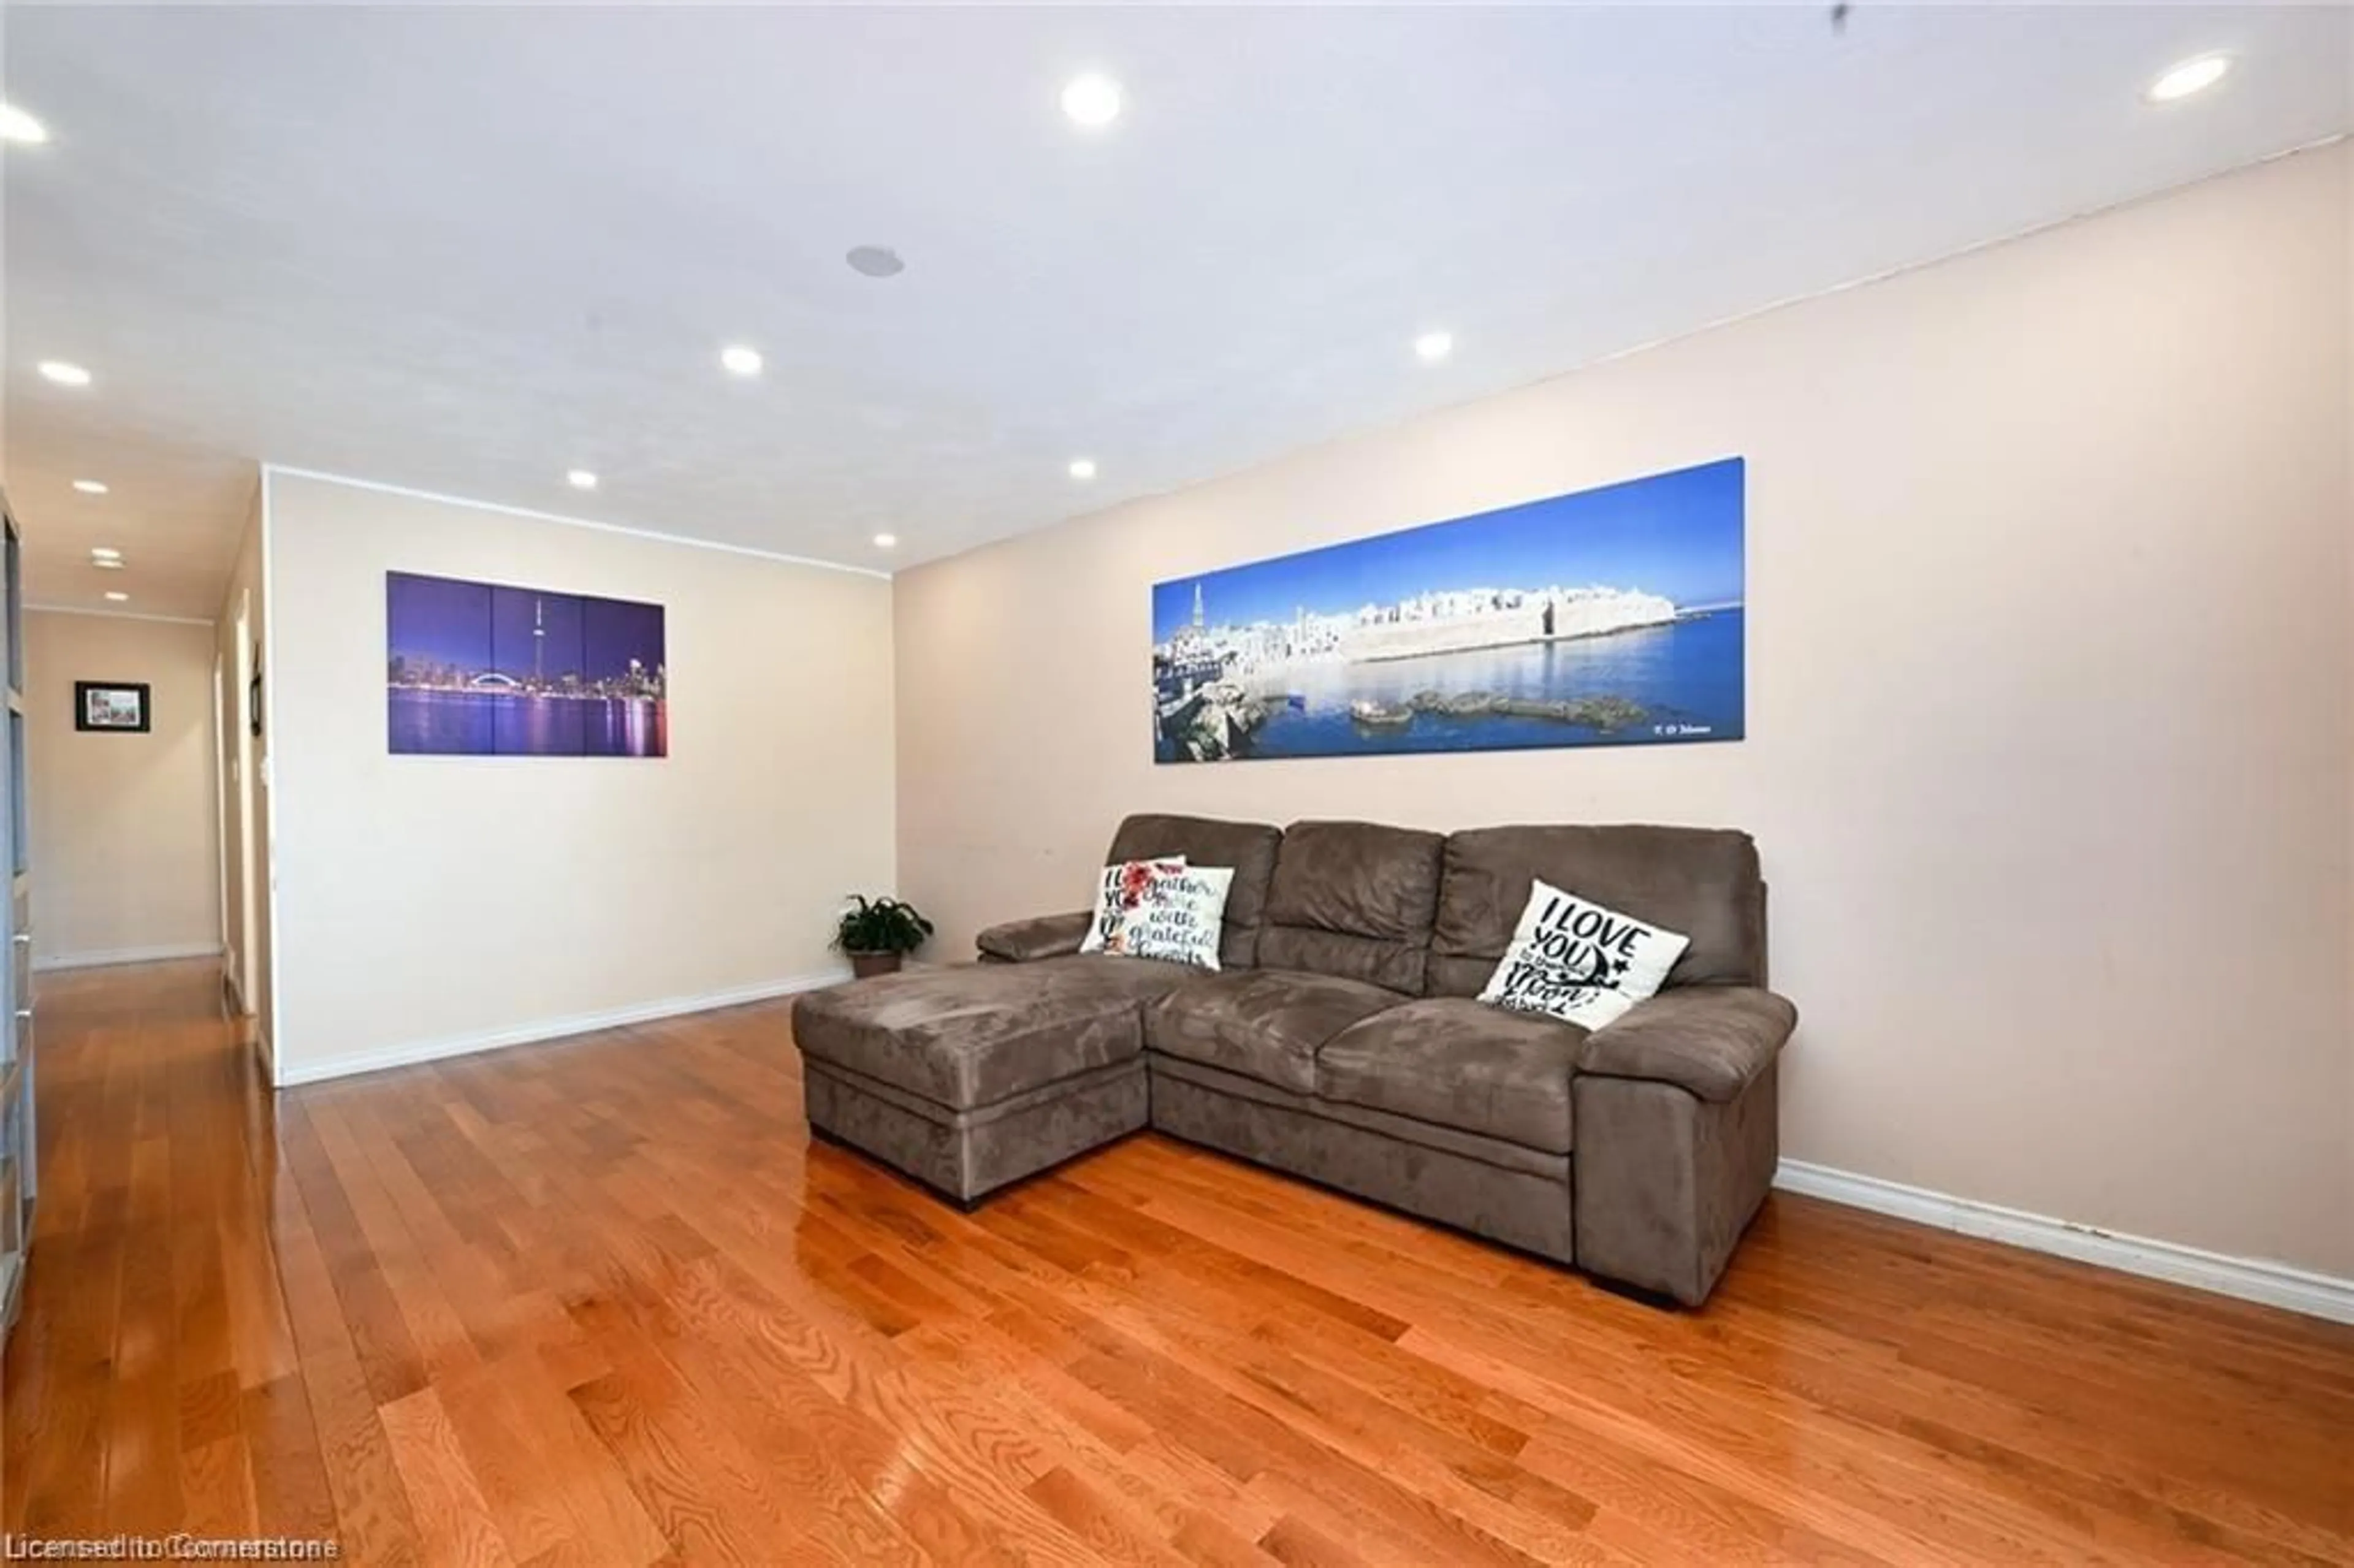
2248 1278
290 1075
106 957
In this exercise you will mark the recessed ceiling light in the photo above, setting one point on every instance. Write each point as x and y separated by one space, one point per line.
1433 346
114 598
581 478
16 125
63 372
1092 100
107 563
89 486
1083 467
104 553
874 261
886 541
2191 76
740 360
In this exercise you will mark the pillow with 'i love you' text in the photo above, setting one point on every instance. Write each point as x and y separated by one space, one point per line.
1580 962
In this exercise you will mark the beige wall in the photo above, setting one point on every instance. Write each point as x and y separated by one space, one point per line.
424 901
124 840
2048 694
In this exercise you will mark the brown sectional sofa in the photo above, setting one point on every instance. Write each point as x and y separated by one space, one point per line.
1341 1042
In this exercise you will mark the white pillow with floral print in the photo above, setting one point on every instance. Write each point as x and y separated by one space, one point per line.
1182 916
1119 893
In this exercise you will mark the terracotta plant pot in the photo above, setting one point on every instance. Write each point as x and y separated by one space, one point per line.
864 965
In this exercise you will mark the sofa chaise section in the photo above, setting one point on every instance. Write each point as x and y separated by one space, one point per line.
975 1075
970 1078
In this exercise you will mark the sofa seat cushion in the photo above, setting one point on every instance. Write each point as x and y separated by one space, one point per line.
1263 1023
974 1033
1460 1064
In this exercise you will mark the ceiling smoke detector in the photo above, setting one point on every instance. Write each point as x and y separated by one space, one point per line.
874 261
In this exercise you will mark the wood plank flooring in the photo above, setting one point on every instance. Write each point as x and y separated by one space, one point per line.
602 1301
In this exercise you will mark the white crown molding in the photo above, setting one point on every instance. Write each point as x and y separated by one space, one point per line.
269 470
2247 1278
106 957
410 1054
115 614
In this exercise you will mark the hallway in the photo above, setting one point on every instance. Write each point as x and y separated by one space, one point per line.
154 1364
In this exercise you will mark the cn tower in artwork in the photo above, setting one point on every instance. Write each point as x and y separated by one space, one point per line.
538 643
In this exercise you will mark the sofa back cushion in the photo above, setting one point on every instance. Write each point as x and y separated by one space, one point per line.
1248 847
1702 881
1354 900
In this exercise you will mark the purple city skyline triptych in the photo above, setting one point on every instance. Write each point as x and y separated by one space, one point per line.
480 669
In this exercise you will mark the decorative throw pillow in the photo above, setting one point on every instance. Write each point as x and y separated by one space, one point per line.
1119 893
1182 916
1580 962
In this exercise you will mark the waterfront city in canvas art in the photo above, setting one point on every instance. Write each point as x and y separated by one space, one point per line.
476 669
1611 616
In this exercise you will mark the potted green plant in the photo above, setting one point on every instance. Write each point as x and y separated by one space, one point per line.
877 933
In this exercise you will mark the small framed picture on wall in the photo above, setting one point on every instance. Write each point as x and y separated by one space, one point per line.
117 705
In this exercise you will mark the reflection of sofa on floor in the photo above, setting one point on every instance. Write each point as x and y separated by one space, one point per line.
1340 1042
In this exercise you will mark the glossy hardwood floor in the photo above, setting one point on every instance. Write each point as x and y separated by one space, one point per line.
601 1301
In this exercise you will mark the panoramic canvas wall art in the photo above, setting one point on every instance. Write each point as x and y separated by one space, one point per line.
478 670
1611 616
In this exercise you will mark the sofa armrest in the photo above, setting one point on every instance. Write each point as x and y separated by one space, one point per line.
1712 1040
1042 936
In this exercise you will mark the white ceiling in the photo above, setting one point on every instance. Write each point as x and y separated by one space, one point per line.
467 250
